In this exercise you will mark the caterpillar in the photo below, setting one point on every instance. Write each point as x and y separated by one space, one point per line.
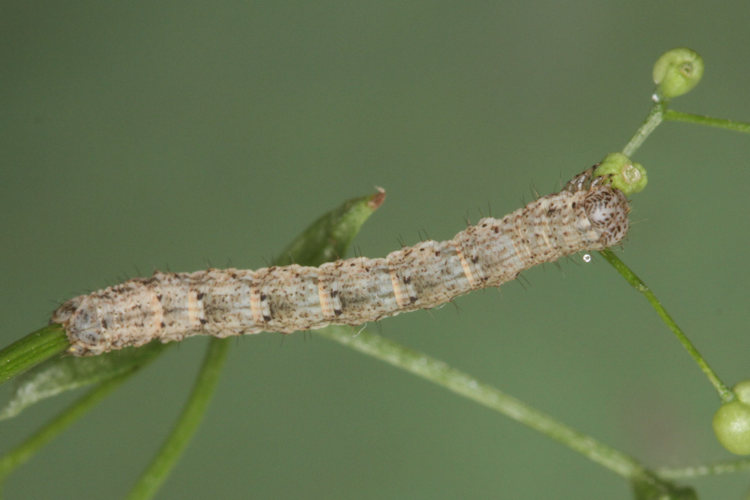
587 214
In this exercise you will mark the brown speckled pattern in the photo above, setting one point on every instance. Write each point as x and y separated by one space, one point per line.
586 215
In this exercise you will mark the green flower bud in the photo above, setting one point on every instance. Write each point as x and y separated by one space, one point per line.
732 421
677 71
628 177
742 391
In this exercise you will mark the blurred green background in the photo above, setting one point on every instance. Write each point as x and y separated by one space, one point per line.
178 135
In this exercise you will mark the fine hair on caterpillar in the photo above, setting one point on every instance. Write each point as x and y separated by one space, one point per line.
587 214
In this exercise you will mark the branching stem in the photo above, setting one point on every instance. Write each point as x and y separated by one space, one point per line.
653 119
679 116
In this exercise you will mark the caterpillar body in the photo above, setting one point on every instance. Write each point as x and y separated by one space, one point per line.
587 214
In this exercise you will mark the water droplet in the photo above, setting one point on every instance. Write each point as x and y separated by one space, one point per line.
587 257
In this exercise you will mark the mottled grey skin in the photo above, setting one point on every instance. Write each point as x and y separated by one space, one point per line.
586 215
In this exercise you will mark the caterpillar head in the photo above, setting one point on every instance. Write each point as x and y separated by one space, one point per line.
607 209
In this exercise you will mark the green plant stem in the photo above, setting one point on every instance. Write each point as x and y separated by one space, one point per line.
326 238
724 467
679 116
190 418
653 119
660 112
463 384
19 455
32 350
724 392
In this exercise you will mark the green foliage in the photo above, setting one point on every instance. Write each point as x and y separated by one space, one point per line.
329 237
67 373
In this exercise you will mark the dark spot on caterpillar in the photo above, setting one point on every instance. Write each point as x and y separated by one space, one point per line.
158 297
334 293
162 324
338 312
203 321
267 318
104 324
200 295
406 280
496 229
413 299
263 297
474 259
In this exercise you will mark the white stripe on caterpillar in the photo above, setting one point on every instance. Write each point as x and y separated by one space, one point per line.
587 215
